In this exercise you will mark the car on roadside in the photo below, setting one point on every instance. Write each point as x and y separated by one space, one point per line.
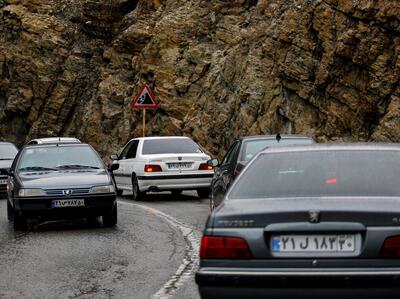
316 221
60 181
154 164
49 140
8 151
239 154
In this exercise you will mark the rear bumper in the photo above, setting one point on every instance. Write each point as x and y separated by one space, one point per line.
299 283
41 207
178 181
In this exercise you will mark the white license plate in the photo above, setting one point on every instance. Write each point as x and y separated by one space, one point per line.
313 243
180 165
3 182
65 203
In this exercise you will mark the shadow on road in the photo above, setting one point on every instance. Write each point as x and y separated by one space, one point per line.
166 197
69 224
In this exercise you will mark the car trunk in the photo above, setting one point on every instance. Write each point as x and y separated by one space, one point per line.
362 224
178 163
369 211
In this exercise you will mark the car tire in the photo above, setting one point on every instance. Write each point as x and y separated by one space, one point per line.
176 192
111 219
136 193
204 192
119 192
19 221
9 211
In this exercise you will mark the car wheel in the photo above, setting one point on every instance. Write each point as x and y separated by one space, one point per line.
204 192
9 211
110 220
136 193
19 221
119 192
176 192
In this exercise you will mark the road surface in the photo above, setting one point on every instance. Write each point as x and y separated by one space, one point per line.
152 253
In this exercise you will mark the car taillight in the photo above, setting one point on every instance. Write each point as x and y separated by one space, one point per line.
205 166
152 168
224 248
391 247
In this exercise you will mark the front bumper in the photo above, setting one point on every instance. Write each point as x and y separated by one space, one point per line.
298 283
3 191
176 181
95 205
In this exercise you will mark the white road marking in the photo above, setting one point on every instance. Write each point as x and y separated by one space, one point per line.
190 261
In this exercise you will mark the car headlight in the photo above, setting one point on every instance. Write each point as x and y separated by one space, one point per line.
31 192
103 189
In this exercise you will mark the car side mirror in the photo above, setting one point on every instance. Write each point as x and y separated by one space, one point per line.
114 157
113 166
213 162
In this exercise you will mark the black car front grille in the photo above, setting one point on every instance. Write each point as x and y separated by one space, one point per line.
66 191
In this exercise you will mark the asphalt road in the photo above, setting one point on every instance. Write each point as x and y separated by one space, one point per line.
152 253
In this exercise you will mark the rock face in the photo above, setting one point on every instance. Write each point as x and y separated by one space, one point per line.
327 68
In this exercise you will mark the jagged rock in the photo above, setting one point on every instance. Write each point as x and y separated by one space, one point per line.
328 68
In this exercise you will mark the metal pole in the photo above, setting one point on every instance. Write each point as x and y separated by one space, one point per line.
144 122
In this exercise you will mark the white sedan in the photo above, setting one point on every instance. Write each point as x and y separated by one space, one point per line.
154 164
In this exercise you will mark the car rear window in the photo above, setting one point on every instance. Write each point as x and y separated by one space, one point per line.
7 151
170 146
252 147
321 173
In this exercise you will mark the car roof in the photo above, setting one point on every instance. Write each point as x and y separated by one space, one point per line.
288 136
44 145
6 142
356 146
160 137
49 140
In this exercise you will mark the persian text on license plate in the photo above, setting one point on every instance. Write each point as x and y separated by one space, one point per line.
65 203
313 243
179 165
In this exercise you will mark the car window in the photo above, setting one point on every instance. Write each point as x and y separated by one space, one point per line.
170 146
230 155
132 150
7 151
58 157
124 152
252 147
321 173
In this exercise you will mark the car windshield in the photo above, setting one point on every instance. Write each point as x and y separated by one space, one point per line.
170 146
321 173
58 158
7 151
252 147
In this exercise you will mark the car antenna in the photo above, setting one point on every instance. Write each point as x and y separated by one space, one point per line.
278 137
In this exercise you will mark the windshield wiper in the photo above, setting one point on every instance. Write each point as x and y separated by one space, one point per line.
76 166
35 168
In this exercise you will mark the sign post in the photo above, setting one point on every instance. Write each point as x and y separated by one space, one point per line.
145 99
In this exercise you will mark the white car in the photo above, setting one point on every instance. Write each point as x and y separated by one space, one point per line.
153 164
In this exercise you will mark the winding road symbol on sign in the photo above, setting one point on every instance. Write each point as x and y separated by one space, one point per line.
145 99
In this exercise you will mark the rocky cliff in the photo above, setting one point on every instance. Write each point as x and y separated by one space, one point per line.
222 68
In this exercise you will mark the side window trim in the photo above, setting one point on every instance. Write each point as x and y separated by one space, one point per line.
132 152
125 150
227 157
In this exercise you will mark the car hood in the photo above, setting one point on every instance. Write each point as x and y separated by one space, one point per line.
67 178
5 164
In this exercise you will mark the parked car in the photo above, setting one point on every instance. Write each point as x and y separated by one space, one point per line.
50 140
319 221
162 164
59 181
239 154
8 151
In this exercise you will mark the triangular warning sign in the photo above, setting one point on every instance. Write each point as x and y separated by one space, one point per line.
145 99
